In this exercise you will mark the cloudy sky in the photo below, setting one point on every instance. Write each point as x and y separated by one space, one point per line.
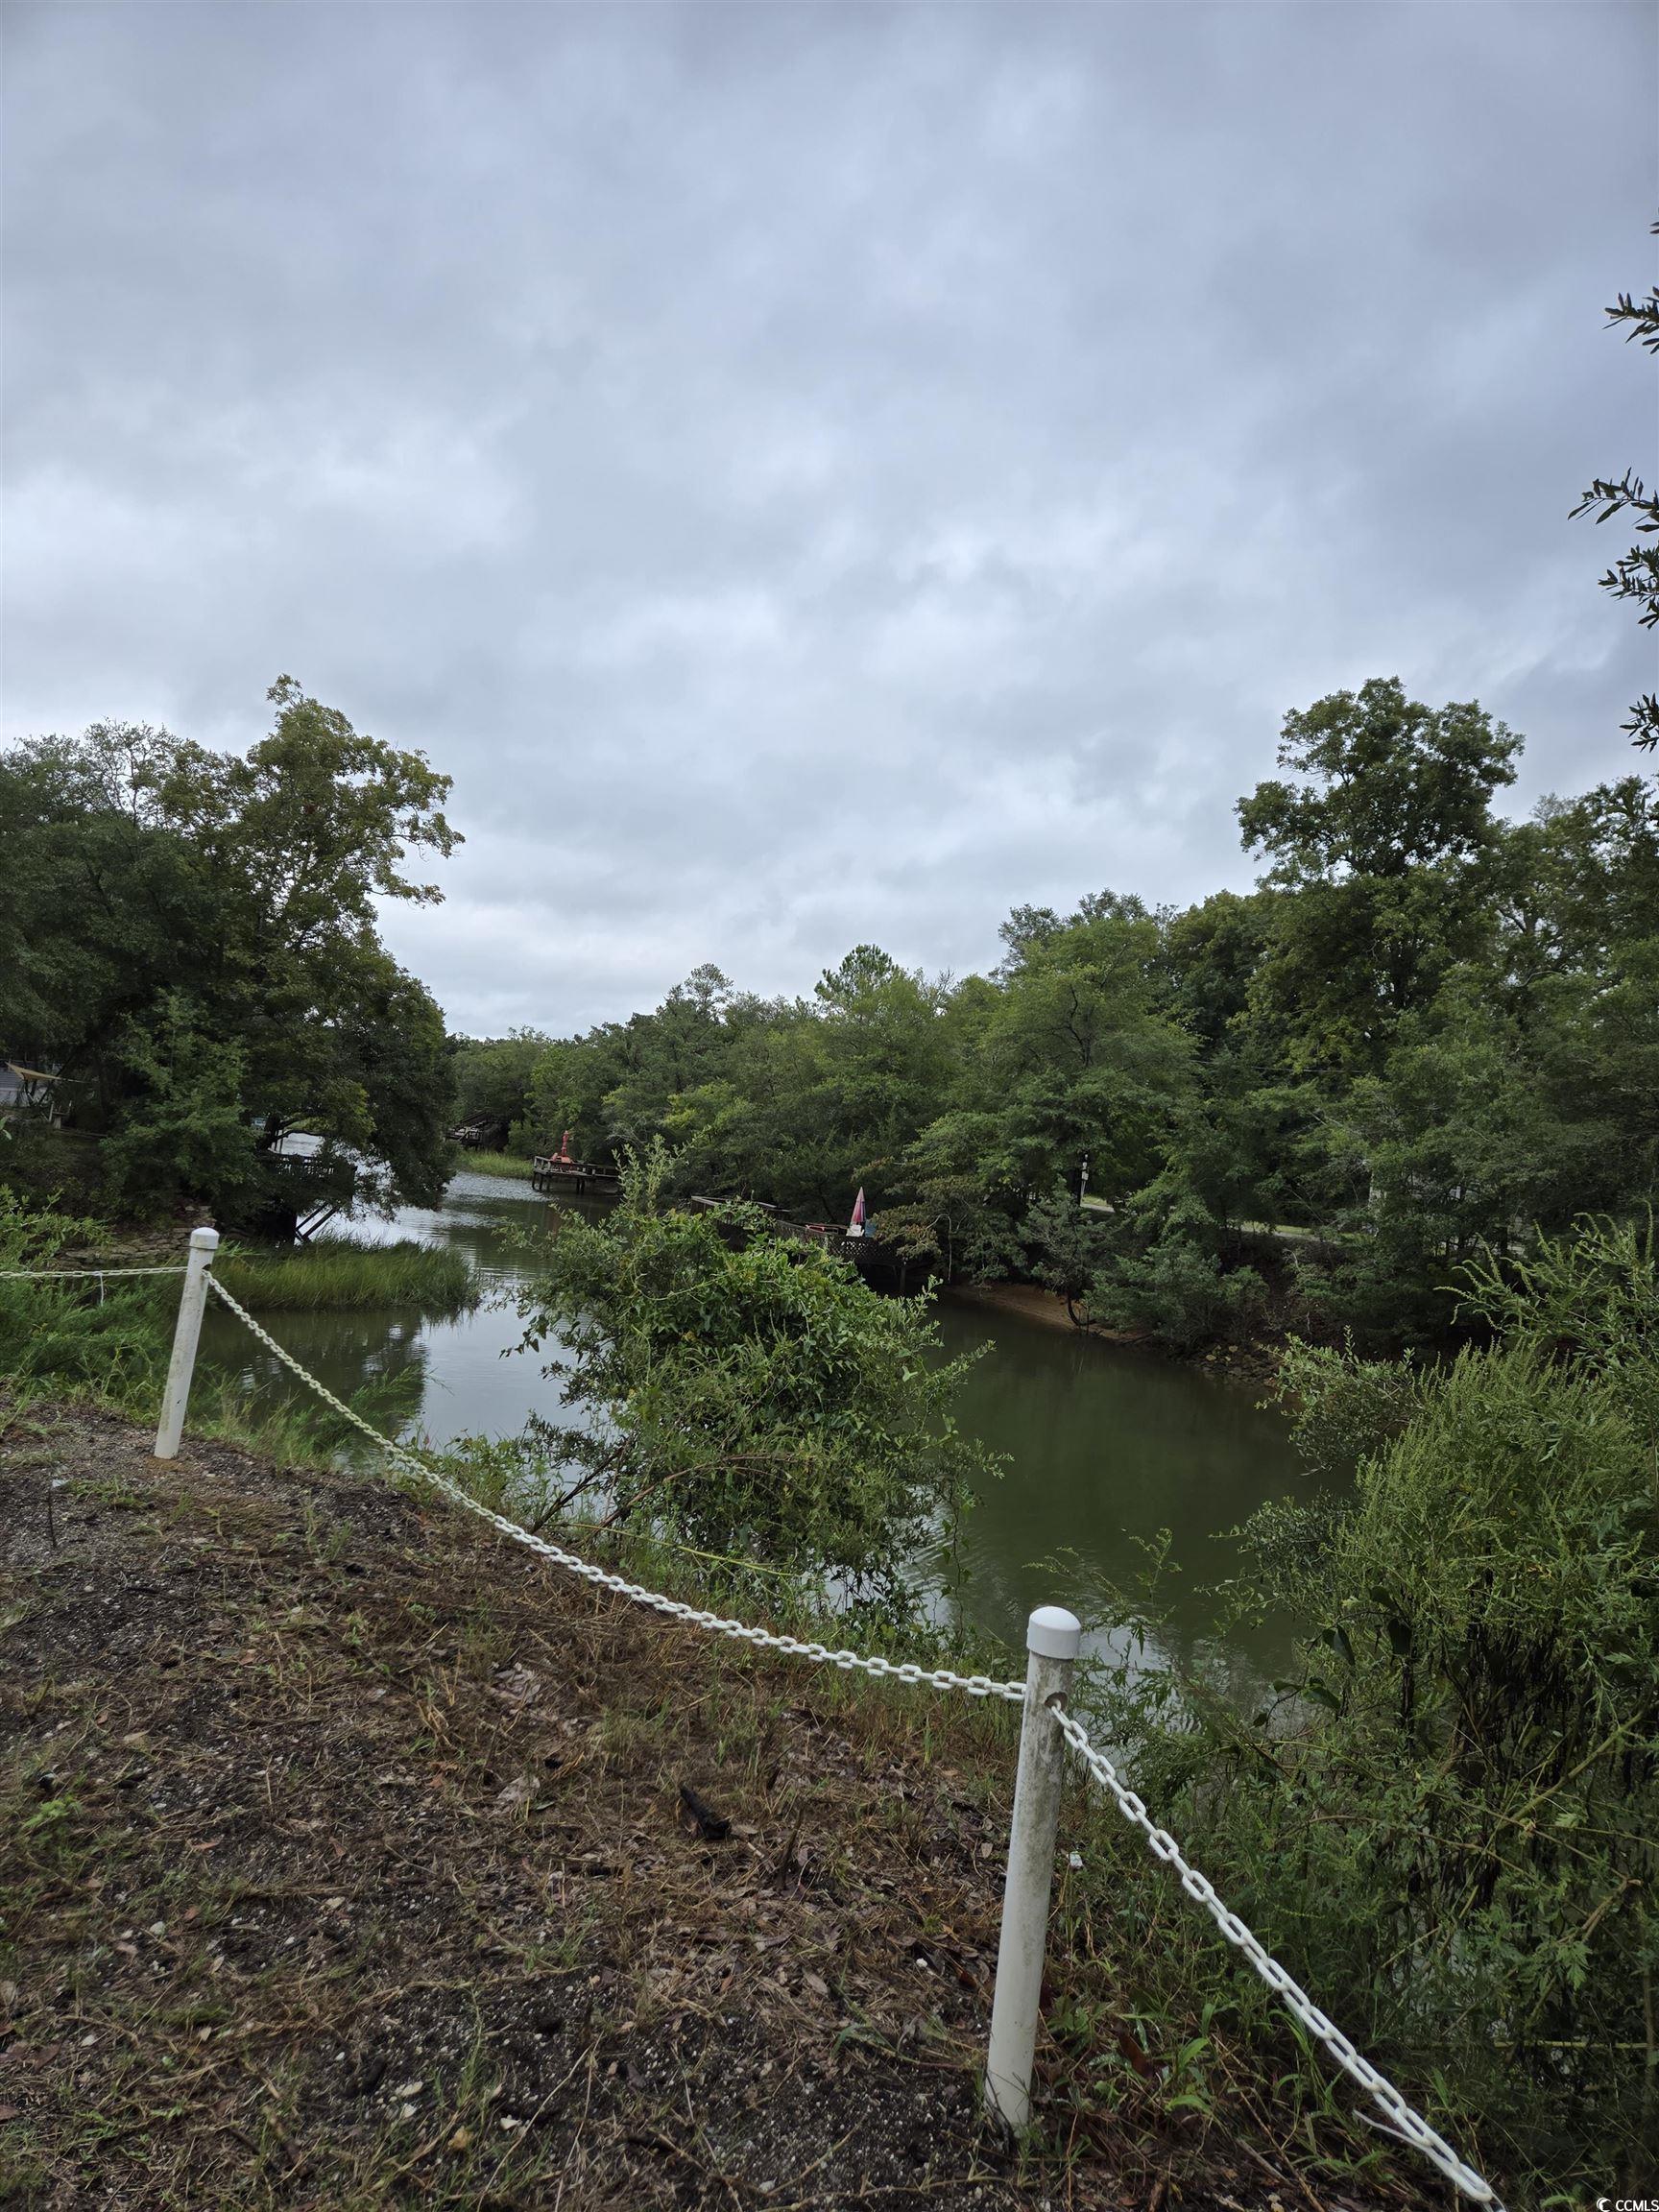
816 474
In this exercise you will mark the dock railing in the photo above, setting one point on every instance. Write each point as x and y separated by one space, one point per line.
1049 1727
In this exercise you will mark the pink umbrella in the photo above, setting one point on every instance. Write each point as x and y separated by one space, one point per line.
855 1227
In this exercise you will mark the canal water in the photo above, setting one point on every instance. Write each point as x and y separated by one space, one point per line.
1106 1447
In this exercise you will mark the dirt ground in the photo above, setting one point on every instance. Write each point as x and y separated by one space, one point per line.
343 1862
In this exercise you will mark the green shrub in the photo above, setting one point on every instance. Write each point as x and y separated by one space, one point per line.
749 1395
1162 1273
110 1339
1448 1827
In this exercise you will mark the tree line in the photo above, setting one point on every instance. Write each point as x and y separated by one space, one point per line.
1428 1030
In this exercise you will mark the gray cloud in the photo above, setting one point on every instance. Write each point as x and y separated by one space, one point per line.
817 473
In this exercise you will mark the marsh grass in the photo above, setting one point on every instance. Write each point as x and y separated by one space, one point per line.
109 1343
508 1164
343 1274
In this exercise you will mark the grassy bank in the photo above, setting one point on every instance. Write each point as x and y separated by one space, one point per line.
106 1342
343 1274
508 1164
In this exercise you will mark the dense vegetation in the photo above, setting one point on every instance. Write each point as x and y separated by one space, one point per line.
747 1396
187 944
1427 1030
1451 1818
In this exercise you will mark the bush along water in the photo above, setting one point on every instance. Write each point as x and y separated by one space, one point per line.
749 1396
1447 1823
106 1339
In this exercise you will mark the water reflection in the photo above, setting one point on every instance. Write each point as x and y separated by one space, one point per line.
1106 1447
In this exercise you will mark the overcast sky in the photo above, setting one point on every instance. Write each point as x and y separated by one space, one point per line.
816 474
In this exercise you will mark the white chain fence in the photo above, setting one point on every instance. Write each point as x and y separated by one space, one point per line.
1399 2119
1399 2116
78 1274
693 1616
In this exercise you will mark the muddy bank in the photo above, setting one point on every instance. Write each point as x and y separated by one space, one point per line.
1257 1363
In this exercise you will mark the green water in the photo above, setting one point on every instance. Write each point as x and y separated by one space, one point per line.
1106 1447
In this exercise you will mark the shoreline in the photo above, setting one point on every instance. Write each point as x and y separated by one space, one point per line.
1255 1364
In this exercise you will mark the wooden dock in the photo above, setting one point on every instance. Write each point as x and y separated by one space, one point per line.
553 1171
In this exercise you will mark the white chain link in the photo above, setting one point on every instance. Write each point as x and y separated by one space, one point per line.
74 1274
1401 2120
936 1678
1407 2125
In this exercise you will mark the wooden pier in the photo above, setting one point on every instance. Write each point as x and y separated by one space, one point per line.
553 1171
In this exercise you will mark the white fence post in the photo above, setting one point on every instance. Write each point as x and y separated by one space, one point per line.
192 1301
1052 1636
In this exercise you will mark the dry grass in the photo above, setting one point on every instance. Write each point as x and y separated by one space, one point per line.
344 1864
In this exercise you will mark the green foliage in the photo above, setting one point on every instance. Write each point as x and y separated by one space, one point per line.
338 1274
109 1341
1163 1273
1344 1408
1449 1828
192 932
494 1083
747 1395
1379 851
1633 575
955 1215
1067 1247
186 1131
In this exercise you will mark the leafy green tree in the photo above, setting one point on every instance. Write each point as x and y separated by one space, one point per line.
1382 848
187 1130
749 1396
495 1082
957 1214
1459 1148
1067 1247
1163 1274
1210 956
150 874
1078 1057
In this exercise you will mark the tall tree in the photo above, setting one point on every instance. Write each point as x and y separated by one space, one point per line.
180 911
1634 575
1381 847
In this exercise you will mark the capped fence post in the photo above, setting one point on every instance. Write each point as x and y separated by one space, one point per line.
1052 1636
186 1331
